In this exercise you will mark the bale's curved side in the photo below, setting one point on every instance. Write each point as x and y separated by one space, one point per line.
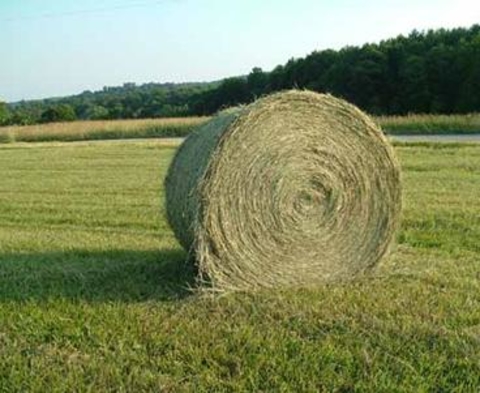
295 189
186 172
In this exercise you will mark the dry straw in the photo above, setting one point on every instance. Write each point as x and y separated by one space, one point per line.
295 189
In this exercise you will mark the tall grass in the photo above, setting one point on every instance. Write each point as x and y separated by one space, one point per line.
180 127
104 129
430 124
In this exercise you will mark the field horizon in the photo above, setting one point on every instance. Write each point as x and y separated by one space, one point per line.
182 126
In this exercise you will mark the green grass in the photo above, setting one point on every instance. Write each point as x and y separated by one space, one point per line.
180 127
93 288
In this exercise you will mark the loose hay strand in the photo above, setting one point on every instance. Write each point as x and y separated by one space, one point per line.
296 189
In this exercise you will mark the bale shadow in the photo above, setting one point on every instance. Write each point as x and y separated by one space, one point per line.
96 276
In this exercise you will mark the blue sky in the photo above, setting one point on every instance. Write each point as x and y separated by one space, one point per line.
59 47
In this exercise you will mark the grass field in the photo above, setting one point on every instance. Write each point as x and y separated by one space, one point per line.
93 288
179 127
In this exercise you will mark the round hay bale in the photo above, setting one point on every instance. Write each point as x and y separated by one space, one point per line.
296 189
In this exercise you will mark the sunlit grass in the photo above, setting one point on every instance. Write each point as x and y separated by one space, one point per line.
94 287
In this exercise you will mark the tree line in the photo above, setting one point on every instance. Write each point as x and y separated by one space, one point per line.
125 102
436 71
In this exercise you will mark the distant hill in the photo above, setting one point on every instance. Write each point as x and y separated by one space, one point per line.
436 71
121 102
121 90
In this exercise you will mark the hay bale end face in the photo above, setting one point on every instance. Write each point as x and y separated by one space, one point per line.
296 189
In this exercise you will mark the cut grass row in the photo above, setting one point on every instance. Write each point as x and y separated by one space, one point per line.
180 127
93 287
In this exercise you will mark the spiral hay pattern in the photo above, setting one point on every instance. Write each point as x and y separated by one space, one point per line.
295 189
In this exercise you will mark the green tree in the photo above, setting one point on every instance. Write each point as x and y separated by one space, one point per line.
4 113
57 113
97 112
233 91
257 82
416 97
469 95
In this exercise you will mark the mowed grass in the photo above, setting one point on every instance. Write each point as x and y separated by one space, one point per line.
181 127
94 288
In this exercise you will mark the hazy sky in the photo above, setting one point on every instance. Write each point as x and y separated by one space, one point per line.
59 47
